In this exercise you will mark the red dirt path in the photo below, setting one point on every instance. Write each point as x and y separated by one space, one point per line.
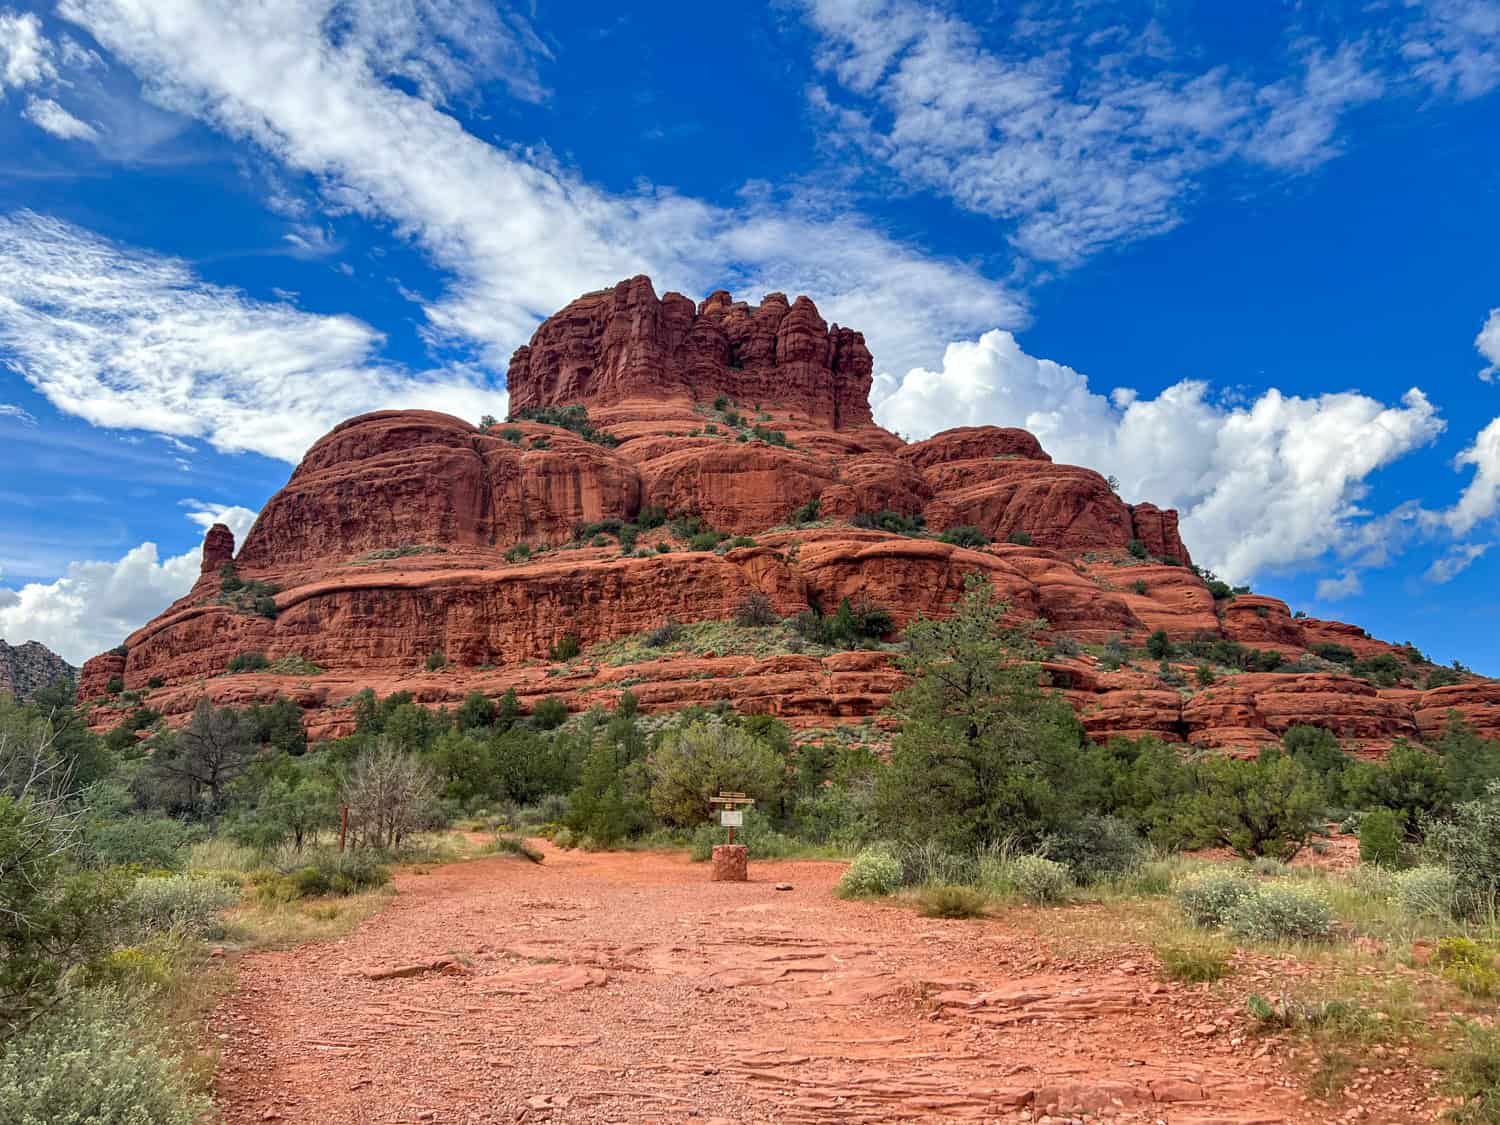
625 987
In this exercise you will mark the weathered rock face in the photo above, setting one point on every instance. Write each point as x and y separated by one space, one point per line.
625 343
394 480
407 533
26 668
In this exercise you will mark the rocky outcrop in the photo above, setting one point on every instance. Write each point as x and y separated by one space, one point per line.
625 343
28 667
408 533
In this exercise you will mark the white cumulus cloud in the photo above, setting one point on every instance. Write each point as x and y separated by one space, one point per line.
1346 585
1488 343
26 56
132 340
96 604
1270 483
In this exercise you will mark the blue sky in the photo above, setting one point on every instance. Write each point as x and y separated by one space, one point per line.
1250 266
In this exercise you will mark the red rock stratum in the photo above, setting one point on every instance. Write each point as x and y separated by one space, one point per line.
404 535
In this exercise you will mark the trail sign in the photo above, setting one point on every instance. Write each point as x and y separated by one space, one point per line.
731 810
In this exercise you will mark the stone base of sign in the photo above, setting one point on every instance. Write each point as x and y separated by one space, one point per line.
731 863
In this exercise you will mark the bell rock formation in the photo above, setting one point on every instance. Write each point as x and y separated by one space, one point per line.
666 460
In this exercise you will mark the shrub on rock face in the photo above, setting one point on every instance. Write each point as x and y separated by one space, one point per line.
663 635
1277 913
249 662
566 648
1208 899
755 611
966 535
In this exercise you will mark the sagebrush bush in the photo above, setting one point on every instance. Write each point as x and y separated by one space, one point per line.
1208 899
950 900
1427 892
1469 846
1040 880
181 904
1276 913
96 1060
875 871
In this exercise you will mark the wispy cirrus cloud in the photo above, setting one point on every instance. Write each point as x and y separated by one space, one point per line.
1077 148
518 234
128 339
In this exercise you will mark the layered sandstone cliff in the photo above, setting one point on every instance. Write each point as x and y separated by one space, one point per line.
404 536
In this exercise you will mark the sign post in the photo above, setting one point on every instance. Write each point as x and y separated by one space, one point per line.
731 860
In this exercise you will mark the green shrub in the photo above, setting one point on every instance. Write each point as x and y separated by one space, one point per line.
1277 913
950 900
1195 961
755 611
757 834
180 904
965 535
706 540
1039 880
1019 538
1137 549
1208 899
150 843
875 871
97 1060
1096 848
516 846
249 662
1139 586
1468 965
1380 838
115 685
1473 1074
436 661
518 553
1469 845
663 635
566 648
807 513
891 521
1427 892
574 417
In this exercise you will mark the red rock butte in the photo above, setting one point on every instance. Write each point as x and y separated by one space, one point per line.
407 534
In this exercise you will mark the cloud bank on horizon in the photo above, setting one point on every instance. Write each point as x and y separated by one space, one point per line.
1070 142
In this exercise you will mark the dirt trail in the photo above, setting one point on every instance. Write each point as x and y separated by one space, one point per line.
625 987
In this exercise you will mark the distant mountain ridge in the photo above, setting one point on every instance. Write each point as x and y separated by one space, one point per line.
27 668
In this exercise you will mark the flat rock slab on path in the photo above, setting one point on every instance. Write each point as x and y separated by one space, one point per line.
618 987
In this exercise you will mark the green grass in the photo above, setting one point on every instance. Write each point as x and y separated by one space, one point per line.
1195 959
948 900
